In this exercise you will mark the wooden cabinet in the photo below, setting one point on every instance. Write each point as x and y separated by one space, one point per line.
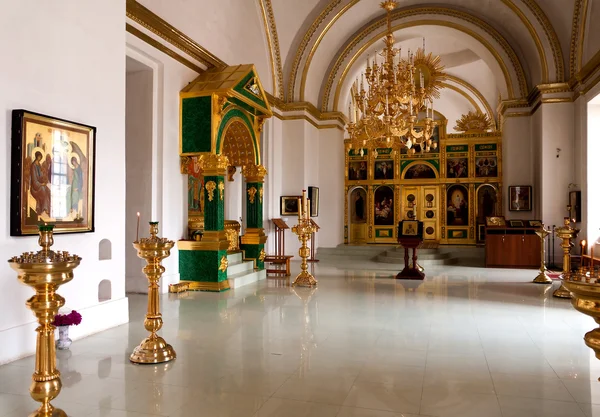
512 248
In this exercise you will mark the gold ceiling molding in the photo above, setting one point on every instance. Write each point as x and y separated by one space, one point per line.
475 92
315 46
143 16
366 32
557 52
580 82
577 34
534 35
153 42
274 51
304 43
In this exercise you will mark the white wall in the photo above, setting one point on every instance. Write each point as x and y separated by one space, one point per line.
74 71
331 183
517 165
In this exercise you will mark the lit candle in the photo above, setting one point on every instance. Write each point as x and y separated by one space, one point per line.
137 232
583 242
592 257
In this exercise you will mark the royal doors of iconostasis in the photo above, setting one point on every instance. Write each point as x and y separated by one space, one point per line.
451 189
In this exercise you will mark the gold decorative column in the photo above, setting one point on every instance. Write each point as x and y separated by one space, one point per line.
45 271
542 278
153 349
567 234
304 229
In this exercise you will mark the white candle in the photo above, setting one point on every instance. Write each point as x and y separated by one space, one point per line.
299 208
308 211
137 233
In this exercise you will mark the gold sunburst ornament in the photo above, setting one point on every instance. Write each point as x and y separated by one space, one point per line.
392 102
473 122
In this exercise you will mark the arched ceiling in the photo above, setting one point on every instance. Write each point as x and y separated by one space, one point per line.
498 47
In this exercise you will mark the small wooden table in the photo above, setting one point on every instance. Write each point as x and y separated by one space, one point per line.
279 260
410 272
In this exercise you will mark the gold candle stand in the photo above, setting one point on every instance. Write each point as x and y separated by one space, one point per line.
584 289
542 277
304 229
153 349
45 271
567 234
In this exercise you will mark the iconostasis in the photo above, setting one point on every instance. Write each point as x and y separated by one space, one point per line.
451 189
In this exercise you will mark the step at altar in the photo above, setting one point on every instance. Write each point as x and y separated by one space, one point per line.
241 272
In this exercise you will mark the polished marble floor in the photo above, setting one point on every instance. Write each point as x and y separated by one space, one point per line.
467 342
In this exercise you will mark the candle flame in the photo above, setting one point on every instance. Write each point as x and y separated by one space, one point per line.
583 242
138 213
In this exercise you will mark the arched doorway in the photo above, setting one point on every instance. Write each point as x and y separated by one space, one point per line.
357 201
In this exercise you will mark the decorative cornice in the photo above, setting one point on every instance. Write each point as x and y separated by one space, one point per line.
304 43
304 106
143 16
152 42
579 82
405 13
274 50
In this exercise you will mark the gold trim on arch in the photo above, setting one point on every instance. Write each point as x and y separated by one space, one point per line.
476 93
419 162
462 93
303 44
363 34
315 46
534 35
577 28
273 43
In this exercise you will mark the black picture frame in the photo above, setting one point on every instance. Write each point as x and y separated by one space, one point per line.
313 195
68 151
289 205
520 197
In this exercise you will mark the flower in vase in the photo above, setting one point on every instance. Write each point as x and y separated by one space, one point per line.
71 319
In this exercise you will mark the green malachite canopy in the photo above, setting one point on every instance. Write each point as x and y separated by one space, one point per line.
239 83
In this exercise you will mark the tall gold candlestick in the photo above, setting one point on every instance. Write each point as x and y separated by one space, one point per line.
567 234
153 349
304 229
45 271
542 277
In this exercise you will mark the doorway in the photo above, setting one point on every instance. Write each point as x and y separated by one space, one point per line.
138 167
421 202
357 202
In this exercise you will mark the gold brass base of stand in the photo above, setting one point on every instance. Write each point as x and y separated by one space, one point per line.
562 292
542 278
153 350
304 279
56 412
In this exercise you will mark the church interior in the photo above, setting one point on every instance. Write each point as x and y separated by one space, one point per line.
316 208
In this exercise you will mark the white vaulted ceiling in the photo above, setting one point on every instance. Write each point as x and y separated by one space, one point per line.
312 50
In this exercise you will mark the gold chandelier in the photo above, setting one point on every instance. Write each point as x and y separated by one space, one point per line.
396 108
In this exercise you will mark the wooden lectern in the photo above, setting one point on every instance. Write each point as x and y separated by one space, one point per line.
410 236
312 243
280 259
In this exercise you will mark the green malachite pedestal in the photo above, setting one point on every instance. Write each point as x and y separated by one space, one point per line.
202 270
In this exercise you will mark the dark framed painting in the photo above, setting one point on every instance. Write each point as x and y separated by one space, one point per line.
419 171
384 206
384 170
289 204
575 205
486 166
313 195
457 168
357 170
519 197
52 174
457 208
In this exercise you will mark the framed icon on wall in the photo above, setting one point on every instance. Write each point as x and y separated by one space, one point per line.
520 197
313 195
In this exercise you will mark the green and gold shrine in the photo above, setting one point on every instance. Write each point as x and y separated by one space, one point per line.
222 113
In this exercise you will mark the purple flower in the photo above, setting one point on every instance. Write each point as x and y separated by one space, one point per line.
71 319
